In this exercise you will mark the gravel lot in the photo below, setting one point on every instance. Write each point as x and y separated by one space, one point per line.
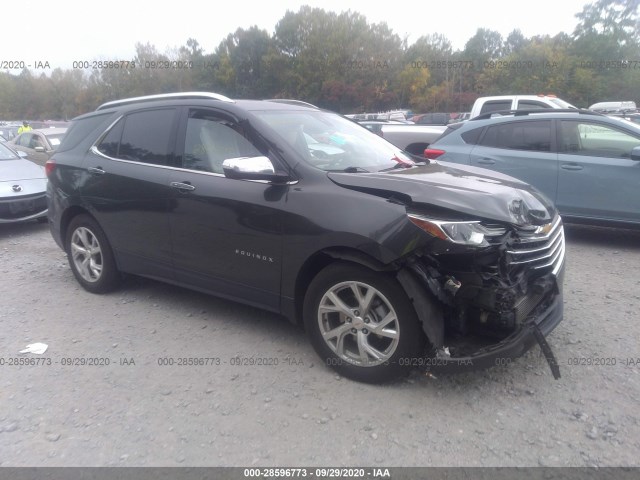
136 412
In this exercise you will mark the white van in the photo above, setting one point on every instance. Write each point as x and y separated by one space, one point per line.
607 107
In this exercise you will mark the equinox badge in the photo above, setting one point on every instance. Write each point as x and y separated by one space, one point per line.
257 256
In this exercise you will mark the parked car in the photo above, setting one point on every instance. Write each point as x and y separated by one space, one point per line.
431 119
39 144
9 131
390 264
485 105
23 187
587 163
614 107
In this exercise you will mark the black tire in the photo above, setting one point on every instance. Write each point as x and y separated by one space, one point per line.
90 256
354 349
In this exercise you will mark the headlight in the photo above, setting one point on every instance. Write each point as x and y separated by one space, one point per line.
464 233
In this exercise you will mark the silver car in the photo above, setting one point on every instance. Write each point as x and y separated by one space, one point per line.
588 164
23 186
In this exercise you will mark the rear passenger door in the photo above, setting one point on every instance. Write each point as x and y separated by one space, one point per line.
125 184
226 233
523 149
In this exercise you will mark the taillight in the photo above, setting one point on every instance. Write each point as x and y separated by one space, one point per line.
49 167
433 153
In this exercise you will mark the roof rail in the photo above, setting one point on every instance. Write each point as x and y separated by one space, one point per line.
518 113
162 96
291 102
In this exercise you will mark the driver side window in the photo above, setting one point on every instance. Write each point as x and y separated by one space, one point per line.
210 140
596 140
25 140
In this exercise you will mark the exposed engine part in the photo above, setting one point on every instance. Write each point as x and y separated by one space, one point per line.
452 286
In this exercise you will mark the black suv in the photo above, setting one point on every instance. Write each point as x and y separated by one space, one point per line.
389 263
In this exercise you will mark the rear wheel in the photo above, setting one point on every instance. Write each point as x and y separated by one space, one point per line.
90 255
362 323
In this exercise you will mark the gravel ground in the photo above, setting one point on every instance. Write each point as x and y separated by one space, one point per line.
137 412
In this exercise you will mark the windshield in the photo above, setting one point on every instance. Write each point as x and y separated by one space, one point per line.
6 153
562 103
330 142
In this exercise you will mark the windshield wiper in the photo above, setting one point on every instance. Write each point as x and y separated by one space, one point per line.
352 170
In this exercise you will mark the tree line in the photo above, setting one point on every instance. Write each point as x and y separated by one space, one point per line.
344 63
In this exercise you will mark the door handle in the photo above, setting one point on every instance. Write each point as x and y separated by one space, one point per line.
96 170
185 186
486 161
571 166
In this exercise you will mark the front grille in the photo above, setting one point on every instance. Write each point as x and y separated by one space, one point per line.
542 249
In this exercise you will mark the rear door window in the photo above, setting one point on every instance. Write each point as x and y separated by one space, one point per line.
533 136
143 136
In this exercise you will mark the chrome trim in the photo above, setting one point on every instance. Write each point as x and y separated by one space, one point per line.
163 96
550 254
534 250
94 150
534 237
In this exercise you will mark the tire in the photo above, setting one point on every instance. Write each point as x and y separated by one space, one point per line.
90 256
342 328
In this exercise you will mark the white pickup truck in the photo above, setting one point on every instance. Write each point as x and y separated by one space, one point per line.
516 102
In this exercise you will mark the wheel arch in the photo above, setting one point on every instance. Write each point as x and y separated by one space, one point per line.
66 218
322 259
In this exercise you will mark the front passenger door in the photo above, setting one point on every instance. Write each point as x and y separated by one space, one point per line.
597 176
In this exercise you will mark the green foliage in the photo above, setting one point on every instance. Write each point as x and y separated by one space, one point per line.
342 62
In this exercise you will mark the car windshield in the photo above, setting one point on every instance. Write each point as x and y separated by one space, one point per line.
6 153
333 143
562 103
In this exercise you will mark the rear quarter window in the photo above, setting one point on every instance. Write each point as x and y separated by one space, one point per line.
450 129
81 129
472 137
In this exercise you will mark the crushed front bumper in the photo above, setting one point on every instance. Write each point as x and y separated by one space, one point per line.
507 350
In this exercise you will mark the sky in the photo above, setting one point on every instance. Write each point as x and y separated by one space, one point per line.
56 34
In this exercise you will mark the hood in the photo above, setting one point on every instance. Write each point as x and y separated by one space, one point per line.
27 178
469 190
20 169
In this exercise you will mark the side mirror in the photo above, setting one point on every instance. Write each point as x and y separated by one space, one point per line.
252 168
635 153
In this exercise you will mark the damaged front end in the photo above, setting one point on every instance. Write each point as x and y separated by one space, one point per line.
486 292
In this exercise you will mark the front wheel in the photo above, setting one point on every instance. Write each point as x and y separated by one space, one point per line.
90 255
362 323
